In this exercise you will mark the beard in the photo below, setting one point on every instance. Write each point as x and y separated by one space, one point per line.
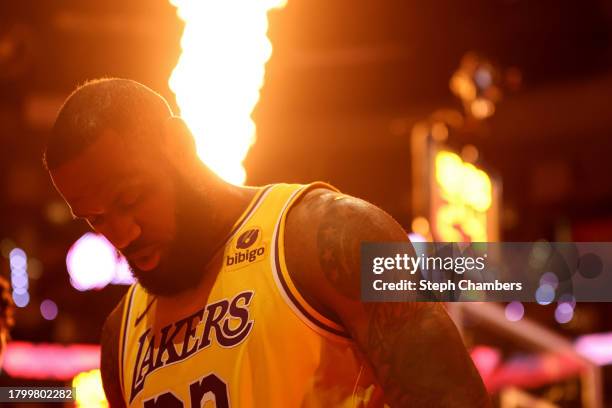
182 265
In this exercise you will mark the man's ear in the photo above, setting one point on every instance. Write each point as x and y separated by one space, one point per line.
179 142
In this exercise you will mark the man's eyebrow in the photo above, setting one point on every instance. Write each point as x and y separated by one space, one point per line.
116 195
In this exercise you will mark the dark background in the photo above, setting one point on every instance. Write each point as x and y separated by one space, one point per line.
345 84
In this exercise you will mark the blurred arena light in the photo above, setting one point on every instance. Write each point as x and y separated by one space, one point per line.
476 83
88 389
19 276
48 309
514 311
93 262
596 347
416 237
463 181
549 278
49 361
545 294
564 313
219 75
420 226
567 298
467 192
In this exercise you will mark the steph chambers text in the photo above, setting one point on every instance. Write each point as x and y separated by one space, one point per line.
448 286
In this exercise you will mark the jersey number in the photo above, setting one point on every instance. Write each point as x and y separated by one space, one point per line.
200 391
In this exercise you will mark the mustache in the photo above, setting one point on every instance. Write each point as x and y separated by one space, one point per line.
136 246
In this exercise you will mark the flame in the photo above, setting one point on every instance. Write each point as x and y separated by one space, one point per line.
88 390
219 74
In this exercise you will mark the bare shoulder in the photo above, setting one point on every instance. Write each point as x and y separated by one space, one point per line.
337 212
324 232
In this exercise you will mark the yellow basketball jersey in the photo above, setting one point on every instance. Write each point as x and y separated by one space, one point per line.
253 341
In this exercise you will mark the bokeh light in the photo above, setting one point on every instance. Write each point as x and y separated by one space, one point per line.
514 311
88 389
21 299
564 313
93 263
18 261
49 361
48 309
545 294
567 298
549 278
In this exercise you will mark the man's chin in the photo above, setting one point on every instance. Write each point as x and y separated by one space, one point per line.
161 281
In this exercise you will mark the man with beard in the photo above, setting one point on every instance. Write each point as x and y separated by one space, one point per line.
246 297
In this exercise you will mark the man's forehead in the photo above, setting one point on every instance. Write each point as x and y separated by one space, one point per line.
105 162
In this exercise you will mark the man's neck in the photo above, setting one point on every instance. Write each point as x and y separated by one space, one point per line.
219 213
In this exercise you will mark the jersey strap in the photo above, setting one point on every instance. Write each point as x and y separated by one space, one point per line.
288 290
127 306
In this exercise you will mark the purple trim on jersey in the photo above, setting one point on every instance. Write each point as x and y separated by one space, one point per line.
125 337
248 214
292 298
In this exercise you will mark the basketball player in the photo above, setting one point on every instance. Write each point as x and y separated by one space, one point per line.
246 297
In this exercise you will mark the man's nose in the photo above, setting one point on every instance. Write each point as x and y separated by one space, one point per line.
121 230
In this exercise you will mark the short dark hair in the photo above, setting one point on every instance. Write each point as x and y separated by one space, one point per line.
103 104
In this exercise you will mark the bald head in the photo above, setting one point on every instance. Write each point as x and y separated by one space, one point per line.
126 107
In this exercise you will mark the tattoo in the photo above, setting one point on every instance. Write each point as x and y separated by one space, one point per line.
337 244
419 357
414 348
387 347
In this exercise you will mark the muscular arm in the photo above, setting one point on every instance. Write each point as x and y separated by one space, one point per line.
414 348
109 358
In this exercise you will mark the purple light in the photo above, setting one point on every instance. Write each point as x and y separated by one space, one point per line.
545 294
564 313
21 299
19 277
567 298
596 347
123 273
49 361
550 279
20 281
48 309
483 78
514 311
91 262
18 259
414 237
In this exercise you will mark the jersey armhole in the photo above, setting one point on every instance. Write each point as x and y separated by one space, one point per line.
123 333
289 291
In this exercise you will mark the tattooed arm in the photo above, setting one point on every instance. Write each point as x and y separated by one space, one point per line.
414 348
109 364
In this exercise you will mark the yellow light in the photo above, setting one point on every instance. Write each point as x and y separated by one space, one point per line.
420 225
218 77
449 174
468 193
462 182
89 390
463 86
482 108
